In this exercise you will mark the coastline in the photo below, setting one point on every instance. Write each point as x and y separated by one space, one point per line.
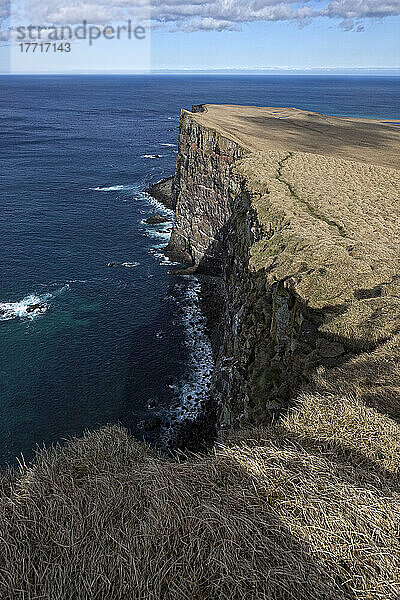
198 434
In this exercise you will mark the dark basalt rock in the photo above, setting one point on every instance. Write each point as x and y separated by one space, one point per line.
162 191
156 219
34 307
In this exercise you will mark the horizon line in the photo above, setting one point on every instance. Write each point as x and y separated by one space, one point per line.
395 71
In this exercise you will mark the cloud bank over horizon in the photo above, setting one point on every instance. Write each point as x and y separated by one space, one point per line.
195 15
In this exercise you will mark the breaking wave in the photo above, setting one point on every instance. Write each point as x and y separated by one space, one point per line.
164 261
193 390
130 264
29 307
114 188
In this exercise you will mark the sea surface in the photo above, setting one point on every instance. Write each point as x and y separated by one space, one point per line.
121 344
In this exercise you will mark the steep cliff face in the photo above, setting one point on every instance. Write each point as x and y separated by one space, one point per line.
201 191
278 248
216 226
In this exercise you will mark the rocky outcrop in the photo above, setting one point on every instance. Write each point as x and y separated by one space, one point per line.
239 216
162 191
156 219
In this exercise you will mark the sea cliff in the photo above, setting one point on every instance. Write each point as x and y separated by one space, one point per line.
304 244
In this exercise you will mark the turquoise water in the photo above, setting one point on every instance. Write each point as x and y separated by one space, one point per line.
76 153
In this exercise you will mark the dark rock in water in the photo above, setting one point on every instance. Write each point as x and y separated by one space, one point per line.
152 404
169 381
191 270
152 424
162 191
32 307
156 219
111 264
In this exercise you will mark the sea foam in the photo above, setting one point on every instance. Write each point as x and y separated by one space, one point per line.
114 188
192 391
20 309
130 264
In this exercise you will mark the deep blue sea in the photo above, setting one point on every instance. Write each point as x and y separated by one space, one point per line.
124 343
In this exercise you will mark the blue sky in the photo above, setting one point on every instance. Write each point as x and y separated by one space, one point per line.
280 44
219 34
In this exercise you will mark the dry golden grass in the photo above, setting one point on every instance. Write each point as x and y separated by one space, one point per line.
332 226
290 129
309 510
371 378
332 233
306 510
366 323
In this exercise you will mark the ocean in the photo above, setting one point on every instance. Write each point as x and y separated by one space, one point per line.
122 344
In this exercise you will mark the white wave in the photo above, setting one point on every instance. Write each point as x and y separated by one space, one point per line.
158 235
114 188
168 145
20 310
152 156
130 264
63 289
164 261
29 307
77 281
165 212
194 389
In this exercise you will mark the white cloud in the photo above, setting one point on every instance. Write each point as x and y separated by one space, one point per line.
4 9
359 9
194 15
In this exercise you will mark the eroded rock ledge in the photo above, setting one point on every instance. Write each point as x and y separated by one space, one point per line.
298 214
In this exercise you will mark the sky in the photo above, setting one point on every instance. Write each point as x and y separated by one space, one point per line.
354 35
